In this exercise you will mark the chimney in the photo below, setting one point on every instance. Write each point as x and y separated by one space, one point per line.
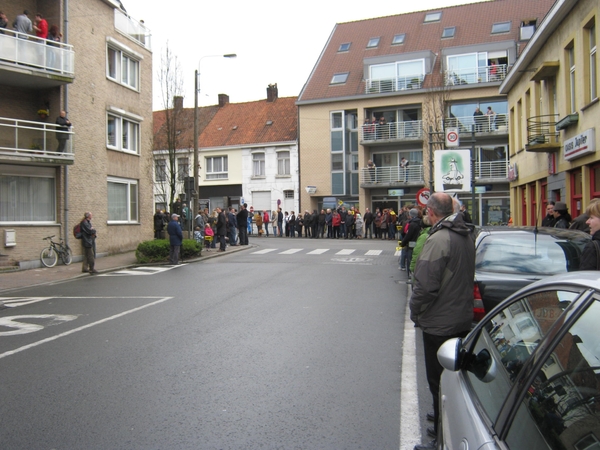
272 92
223 100
178 102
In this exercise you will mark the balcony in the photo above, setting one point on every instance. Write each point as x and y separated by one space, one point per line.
394 84
474 75
491 171
35 63
133 29
24 141
496 124
392 132
542 135
393 176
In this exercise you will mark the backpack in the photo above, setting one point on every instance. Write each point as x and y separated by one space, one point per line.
77 231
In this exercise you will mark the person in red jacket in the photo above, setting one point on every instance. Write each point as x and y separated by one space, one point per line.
266 222
41 26
336 221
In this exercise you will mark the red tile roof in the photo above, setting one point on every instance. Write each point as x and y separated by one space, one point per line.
473 24
185 126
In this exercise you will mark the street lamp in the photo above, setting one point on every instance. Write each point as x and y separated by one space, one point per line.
196 91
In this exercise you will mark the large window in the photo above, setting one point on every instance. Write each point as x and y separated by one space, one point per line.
183 168
397 76
283 163
216 168
122 67
122 200
591 31
27 198
160 170
258 165
571 62
122 133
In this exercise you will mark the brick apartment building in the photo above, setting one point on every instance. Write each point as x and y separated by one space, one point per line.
101 74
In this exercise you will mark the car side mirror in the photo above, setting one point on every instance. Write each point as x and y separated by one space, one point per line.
483 366
448 354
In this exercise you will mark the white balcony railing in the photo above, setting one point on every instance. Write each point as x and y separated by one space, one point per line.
132 28
394 84
392 131
493 123
473 75
25 137
491 170
31 51
393 175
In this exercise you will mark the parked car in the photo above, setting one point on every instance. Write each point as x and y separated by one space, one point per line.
528 375
509 258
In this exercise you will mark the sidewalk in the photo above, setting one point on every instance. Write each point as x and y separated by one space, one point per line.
46 275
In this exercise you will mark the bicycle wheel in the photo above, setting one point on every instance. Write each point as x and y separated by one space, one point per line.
66 255
49 257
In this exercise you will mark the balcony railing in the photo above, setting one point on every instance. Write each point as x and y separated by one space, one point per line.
28 138
493 123
392 176
394 84
31 51
491 170
132 28
542 135
392 131
474 75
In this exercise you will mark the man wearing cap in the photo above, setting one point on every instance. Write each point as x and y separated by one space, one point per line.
410 239
175 239
561 215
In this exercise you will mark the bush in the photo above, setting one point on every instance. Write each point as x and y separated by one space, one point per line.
158 250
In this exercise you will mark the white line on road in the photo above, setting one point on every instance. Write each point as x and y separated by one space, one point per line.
89 325
373 253
410 426
264 252
346 251
318 251
13 302
291 251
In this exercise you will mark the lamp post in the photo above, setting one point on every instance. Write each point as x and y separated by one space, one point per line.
196 114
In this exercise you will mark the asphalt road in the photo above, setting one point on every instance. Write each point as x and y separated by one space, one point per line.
272 347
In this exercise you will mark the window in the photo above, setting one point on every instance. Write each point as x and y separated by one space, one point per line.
593 75
122 200
337 132
373 42
258 164
122 134
288 194
27 197
283 163
433 17
160 170
397 76
123 68
448 32
501 27
216 168
399 39
572 81
344 47
183 168
339 78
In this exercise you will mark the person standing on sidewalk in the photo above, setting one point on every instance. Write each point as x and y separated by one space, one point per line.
242 223
221 229
88 241
175 239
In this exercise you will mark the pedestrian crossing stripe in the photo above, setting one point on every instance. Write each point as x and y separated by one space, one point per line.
291 251
346 251
142 270
319 251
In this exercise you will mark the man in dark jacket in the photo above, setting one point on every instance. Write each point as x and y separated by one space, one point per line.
561 215
232 223
307 224
221 229
242 223
549 220
88 241
442 300
175 239
410 239
159 224
368 219
279 222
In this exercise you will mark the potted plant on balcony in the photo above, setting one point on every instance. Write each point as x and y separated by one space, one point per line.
43 113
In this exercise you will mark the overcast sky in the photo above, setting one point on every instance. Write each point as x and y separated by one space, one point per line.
276 41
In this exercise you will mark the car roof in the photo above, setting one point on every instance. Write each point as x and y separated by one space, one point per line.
560 232
584 279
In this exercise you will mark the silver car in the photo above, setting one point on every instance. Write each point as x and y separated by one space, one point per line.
528 375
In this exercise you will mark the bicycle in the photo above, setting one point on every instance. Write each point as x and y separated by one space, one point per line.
49 255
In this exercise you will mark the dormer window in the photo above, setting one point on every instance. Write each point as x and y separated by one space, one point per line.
502 27
339 78
373 42
433 17
398 39
344 47
448 32
527 29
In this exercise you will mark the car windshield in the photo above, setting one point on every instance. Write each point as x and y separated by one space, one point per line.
529 253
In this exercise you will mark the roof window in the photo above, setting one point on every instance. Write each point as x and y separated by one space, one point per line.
398 39
433 17
339 78
344 47
448 32
501 27
373 42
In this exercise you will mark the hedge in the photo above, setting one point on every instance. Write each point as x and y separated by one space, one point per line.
158 250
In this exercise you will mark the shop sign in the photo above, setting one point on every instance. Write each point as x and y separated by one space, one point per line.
580 145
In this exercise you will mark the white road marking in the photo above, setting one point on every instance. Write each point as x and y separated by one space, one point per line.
26 327
13 302
410 425
143 270
264 251
318 251
89 325
291 251
373 253
397 252
346 251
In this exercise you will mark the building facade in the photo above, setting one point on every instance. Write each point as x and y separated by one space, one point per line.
553 109
390 88
100 73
